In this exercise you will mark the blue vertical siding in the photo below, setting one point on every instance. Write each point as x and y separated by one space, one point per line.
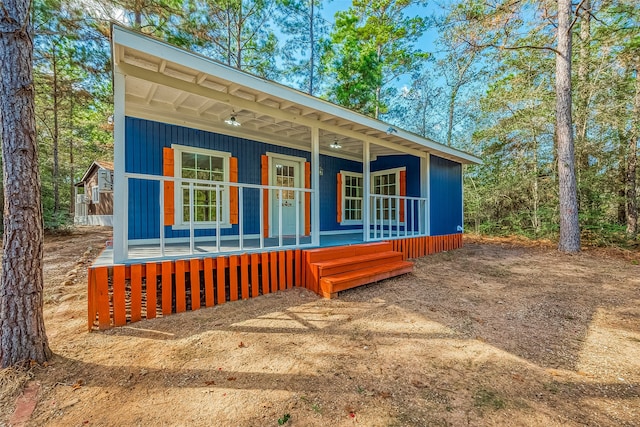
331 166
144 141
445 180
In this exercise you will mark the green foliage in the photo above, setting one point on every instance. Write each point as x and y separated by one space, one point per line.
284 419
73 101
372 46
487 399
515 191
236 32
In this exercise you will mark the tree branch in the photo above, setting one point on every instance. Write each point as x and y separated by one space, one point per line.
577 15
495 46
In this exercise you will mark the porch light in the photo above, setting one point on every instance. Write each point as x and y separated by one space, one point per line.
335 144
231 121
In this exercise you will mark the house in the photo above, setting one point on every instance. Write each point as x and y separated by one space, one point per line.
94 195
230 186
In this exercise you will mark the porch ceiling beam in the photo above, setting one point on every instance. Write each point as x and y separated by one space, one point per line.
152 93
163 79
139 109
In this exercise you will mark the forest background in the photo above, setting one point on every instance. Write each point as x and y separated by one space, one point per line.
483 83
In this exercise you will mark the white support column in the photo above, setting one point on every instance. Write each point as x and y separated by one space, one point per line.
120 197
315 185
366 187
424 191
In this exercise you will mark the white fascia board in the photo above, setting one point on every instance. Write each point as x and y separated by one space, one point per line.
133 40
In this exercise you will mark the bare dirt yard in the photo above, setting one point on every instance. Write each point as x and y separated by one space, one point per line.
496 333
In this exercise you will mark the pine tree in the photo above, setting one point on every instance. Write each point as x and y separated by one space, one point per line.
22 333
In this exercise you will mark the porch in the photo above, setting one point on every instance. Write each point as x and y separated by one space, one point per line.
249 218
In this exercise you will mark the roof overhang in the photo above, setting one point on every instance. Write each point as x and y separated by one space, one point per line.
168 84
96 164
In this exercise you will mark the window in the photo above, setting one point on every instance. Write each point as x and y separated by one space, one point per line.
203 165
385 183
95 194
353 194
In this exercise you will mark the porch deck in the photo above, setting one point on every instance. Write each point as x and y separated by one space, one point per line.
172 251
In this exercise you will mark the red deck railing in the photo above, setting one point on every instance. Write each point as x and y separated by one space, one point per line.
121 294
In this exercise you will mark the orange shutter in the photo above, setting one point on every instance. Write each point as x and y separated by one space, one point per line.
307 199
403 192
233 191
169 200
339 197
264 163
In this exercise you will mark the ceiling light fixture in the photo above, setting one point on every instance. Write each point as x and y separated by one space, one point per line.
335 144
231 121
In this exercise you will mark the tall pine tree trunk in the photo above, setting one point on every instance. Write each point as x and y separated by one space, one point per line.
451 112
22 334
632 161
311 48
569 227
56 132
582 104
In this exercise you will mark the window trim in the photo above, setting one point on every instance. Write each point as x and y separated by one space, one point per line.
397 185
180 223
95 194
272 156
344 197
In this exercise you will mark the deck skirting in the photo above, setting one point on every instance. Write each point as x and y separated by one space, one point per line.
122 294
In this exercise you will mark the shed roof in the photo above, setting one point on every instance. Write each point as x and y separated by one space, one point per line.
172 85
101 164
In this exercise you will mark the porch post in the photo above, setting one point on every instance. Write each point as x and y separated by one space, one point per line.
120 198
315 185
424 192
366 189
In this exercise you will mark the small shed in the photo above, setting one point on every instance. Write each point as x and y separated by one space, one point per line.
94 195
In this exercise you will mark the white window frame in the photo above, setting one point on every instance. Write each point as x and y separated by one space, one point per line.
180 223
397 184
344 197
95 195
272 157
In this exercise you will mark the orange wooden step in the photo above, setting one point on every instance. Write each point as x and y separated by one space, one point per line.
360 262
331 285
335 252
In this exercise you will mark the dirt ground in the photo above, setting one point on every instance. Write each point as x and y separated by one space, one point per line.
497 333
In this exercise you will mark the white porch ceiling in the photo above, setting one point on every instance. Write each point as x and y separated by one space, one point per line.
168 84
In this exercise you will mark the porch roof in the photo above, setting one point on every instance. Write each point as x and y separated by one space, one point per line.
171 85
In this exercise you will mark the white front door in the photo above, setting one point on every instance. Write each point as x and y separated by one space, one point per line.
286 173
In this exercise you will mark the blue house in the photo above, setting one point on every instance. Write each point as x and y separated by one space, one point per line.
212 163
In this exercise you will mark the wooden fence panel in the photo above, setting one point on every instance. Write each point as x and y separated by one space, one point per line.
274 271
119 307
281 271
208 282
194 281
136 292
255 277
91 303
289 261
102 297
244 275
265 273
167 291
220 283
298 268
151 274
233 278
181 297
